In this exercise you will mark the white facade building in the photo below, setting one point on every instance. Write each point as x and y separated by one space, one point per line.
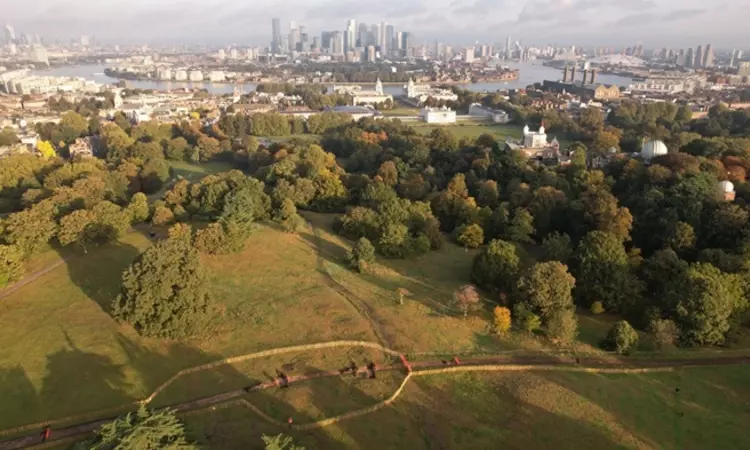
164 74
421 92
180 75
533 139
360 96
195 75
438 115
216 76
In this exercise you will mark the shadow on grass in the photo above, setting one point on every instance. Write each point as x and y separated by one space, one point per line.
99 272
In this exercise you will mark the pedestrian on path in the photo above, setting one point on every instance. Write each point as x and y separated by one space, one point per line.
46 433
291 421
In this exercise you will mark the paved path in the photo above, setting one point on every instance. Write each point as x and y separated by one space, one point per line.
564 363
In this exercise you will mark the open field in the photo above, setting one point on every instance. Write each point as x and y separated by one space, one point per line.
64 355
473 130
194 172
401 111
512 410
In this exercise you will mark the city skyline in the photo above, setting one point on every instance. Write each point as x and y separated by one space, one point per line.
656 23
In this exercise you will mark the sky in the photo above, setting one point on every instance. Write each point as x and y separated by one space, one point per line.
654 23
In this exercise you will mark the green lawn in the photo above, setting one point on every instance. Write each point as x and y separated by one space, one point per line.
302 136
401 111
194 172
473 130
530 410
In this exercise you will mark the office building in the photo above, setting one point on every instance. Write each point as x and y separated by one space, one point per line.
374 33
731 59
690 58
39 54
363 35
389 36
382 41
744 69
708 57
370 53
350 36
10 34
337 43
276 35
326 39
508 49
698 57
295 37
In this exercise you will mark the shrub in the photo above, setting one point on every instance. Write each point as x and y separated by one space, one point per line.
501 319
362 254
597 307
470 236
621 338
525 319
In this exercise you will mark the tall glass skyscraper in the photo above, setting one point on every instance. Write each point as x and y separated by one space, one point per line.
276 39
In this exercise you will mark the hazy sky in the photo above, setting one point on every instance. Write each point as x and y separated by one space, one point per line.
607 22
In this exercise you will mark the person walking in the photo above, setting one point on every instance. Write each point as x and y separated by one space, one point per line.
46 433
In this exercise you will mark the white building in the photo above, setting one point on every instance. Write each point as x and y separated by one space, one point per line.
421 92
39 54
164 74
360 96
180 75
438 115
533 139
216 76
496 115
195 75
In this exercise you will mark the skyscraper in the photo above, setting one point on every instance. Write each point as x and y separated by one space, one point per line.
295 36
689 58
276 35
350 36
362 35
731 59
10 34
389 35
337 43
508 49
326 41
698 56
381 37
708 57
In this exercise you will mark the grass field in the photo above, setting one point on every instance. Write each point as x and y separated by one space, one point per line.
194 172
401 111
532 410
63 355
473 130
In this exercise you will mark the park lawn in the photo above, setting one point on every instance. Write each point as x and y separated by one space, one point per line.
63 354
302 136
540 410
472 130
195 172
401 112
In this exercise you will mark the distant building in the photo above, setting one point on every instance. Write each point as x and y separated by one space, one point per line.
496 115
421 92
534 145
216 76
438 115
180 75
698 56
350 37
357 112
39 54
708 57
276 39
195 75
744 69
586 88
164 74
360 97
81 147
726 191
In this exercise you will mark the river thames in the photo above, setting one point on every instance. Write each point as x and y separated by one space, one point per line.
530 73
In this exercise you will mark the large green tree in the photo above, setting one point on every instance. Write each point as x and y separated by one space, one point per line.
496 266
164 292
547 288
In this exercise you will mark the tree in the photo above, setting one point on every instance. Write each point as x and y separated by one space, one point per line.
11 264
116 142
546 288
682 237
466 298
388 173
563 326
705 298
361 254
280 442
521 227
470 236
597 307
246 204
46 149
176 149
31 229
525 319
603 141
663 332
74 125
496 266
138 208
287 216
402 292
603 273
164 292
489 194
621 338
8 137
162 216
212 240
142 430
557 247
73 226
501 319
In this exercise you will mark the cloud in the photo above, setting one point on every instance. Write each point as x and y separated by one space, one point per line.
636 19
477 7
683 14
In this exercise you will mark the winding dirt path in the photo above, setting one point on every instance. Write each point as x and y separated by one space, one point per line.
419 368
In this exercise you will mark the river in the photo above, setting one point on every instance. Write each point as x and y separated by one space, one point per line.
530 73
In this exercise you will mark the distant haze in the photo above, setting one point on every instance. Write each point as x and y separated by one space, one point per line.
655 23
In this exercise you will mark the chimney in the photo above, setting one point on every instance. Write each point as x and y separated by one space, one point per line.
565 75
573 75
585 77
593 76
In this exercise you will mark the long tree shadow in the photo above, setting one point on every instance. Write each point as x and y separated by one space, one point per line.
99 272
17 393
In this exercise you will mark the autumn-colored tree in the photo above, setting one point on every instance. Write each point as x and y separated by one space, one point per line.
73 226
11 264
466 298
388 173
162 216
46 149
470 236
138 208
546 288
501 319
621 338
362 254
